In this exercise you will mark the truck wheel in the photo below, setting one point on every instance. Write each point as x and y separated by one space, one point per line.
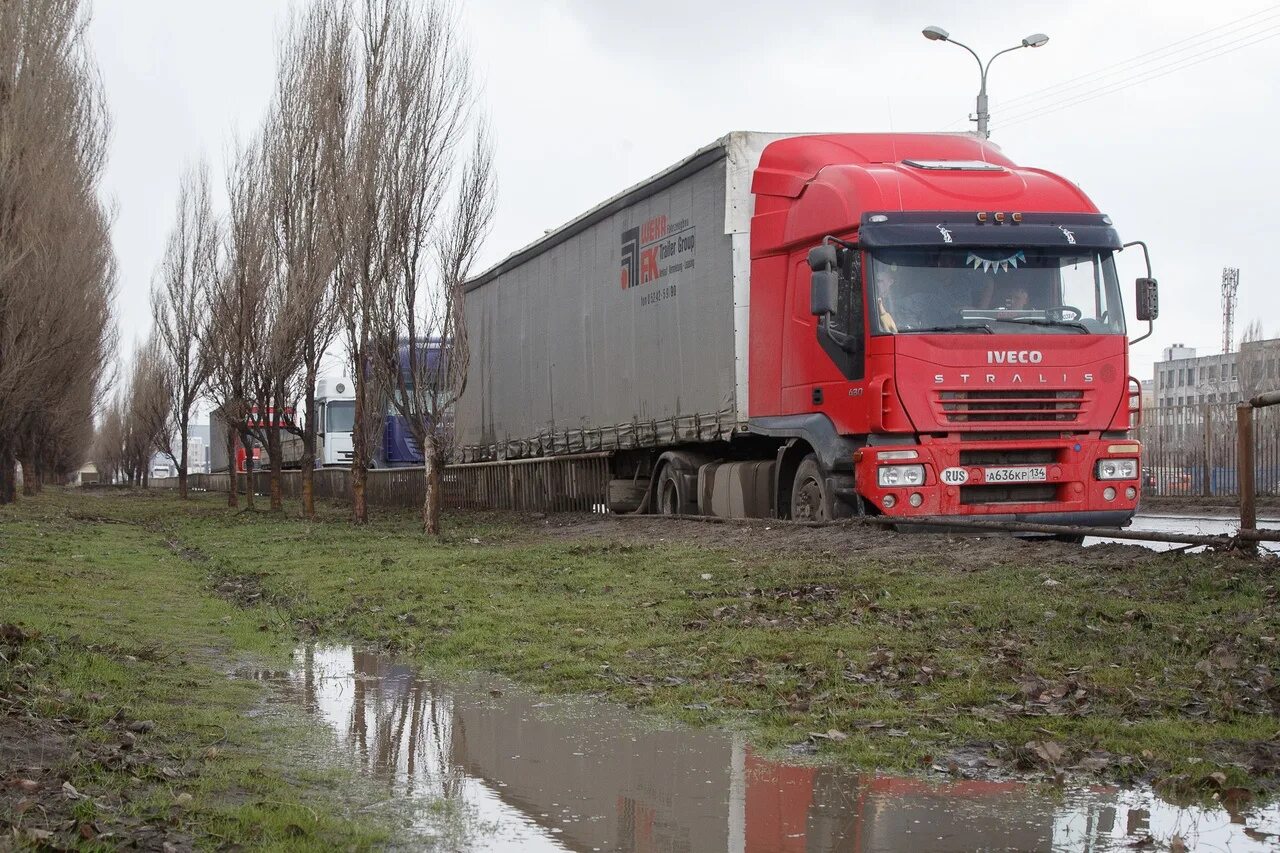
669 492
809 500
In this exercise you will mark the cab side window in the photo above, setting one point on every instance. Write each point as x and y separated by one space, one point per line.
848 317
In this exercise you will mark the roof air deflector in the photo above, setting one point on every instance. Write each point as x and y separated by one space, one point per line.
954 165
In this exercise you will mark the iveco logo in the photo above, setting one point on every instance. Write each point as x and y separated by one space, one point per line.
1015 356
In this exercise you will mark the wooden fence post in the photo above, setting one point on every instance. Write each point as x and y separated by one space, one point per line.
1244 468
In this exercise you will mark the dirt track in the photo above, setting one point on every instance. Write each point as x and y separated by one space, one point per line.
958 552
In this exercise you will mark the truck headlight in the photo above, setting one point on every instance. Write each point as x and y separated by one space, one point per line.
900 475
1117 469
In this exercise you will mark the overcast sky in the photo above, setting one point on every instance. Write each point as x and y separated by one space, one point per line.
588 97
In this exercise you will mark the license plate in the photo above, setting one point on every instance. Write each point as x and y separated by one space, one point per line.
1033 474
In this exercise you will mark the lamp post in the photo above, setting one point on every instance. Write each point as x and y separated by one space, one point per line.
939 34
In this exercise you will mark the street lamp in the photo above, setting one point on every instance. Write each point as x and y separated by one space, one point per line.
939 34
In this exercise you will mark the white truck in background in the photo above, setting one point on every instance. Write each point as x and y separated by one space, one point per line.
335 411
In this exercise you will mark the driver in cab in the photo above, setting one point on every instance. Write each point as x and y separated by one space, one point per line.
1009 296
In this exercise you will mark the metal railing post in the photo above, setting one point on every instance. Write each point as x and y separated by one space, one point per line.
1206 469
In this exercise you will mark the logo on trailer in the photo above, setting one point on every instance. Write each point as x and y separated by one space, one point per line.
946 234
630 257
1071 237
656 251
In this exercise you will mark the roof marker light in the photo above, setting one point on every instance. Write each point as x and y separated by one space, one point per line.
999 217
982 217
1017 217
878 217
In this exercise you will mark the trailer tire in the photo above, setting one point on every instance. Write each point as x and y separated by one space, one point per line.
669 492
809 498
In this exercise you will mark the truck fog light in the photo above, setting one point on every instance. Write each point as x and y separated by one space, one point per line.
889 501
1131 493
1109 493
905 475
916 499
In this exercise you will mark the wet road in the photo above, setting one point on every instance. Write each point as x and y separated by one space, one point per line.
1198 524
484 766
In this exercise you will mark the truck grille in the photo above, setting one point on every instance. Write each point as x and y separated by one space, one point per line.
1009 493
1010 456
1010 406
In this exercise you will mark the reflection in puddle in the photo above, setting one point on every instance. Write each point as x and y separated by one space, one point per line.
488 767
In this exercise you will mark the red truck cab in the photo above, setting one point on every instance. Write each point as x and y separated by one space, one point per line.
938 331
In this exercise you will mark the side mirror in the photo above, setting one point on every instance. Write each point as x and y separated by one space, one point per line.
823 288
1147 299
822 257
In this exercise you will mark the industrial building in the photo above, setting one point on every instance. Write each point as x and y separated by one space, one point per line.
1184 379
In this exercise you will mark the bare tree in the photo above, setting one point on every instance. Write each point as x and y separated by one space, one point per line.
108 443
272 367
57 273
412 110
305 141
237 329
428 374
187 275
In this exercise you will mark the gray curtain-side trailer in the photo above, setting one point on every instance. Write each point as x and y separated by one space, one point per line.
624 329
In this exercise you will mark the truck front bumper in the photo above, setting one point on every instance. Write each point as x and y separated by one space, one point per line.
979 480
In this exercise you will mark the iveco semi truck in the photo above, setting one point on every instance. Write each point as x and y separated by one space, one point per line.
822 325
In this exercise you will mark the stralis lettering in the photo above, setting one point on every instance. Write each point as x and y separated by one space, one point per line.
1034 378
1015 356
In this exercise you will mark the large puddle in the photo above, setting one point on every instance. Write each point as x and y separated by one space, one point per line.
485 766
1200 525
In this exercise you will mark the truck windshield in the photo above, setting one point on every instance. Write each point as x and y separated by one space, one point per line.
1007 290
340 416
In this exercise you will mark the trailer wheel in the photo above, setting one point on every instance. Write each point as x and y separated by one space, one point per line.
670 500
809 501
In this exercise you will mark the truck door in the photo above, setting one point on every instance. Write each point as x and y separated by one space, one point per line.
842 332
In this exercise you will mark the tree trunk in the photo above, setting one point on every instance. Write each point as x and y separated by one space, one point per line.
29 476
182 459
360 446
233 500
359 474
309 446
8 487
432 482
277 467
249 485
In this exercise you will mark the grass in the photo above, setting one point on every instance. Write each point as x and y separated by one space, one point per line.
117 684
898 651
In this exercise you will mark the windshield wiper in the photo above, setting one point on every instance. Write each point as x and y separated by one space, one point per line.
1036 321
958 327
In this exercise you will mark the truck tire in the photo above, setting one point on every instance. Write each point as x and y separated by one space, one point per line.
669 495
809 498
